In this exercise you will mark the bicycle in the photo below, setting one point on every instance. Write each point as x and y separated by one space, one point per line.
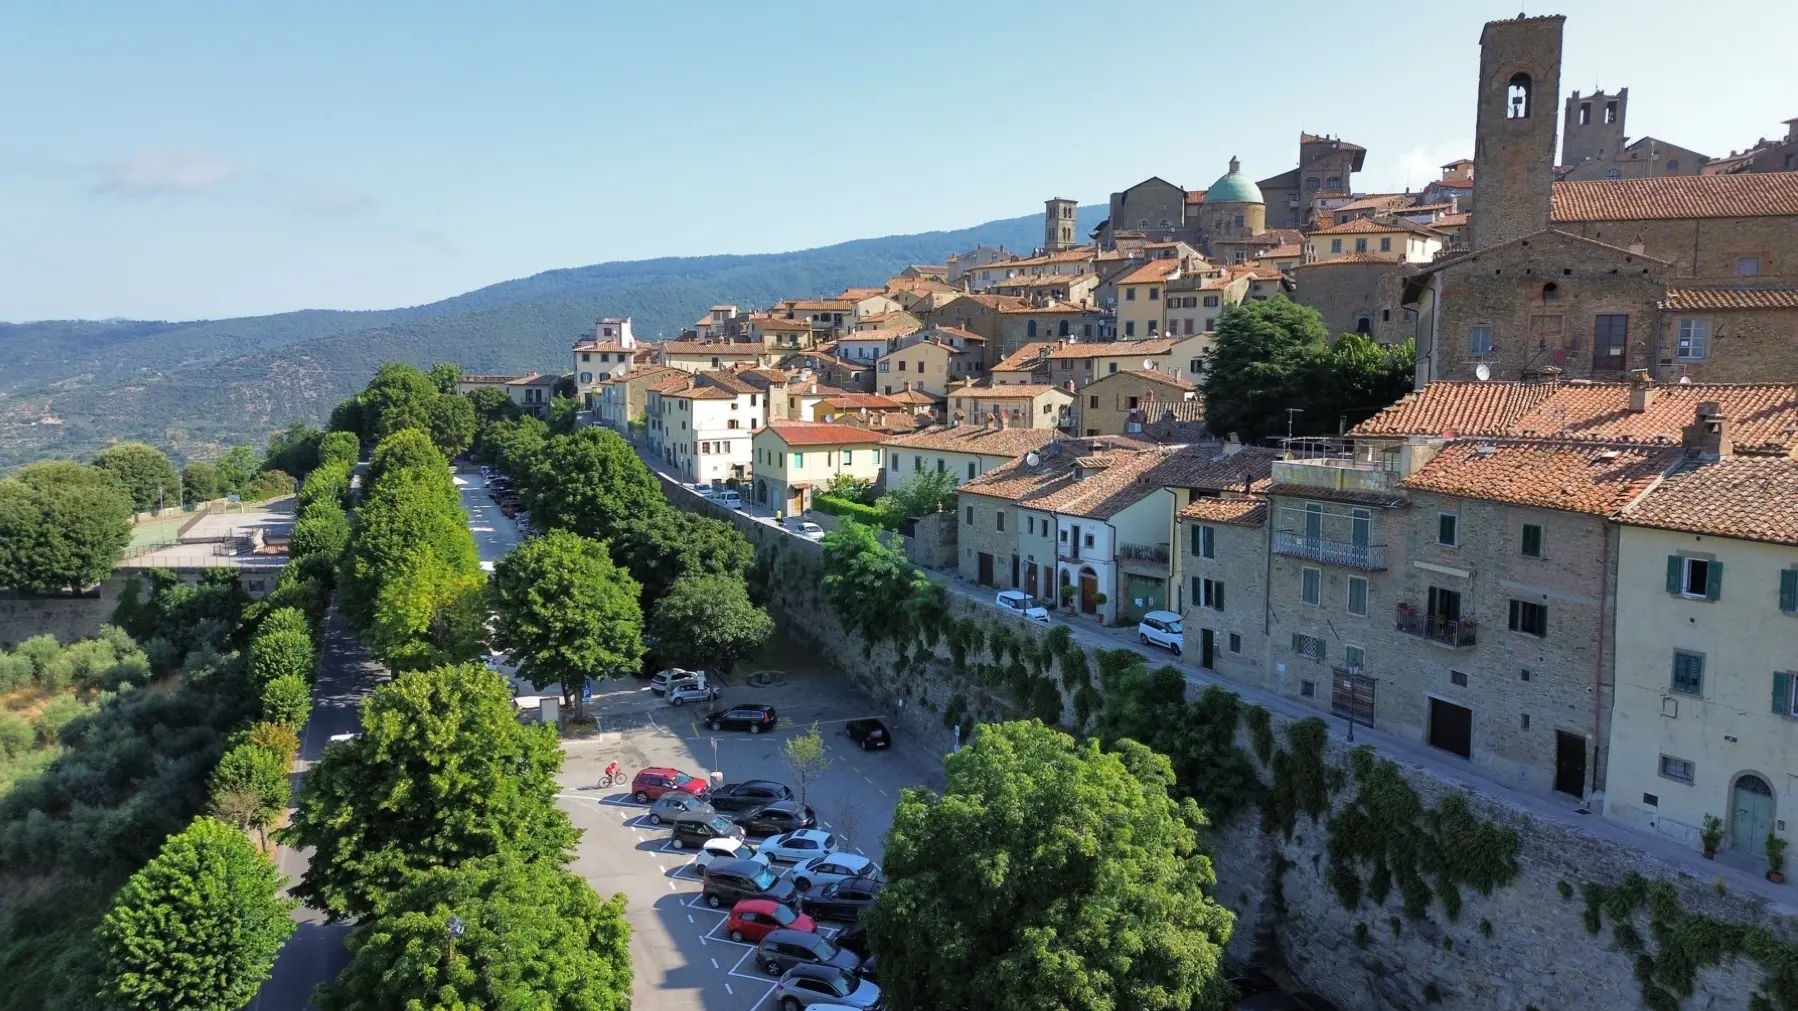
610 779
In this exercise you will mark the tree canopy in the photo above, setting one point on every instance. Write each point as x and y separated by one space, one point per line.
1049 860
590 482
920 494
709 622
197 927
567 612
445 376
62 526
147 475
668 544
443 773
868 583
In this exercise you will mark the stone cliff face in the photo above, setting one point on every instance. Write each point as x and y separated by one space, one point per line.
1528 944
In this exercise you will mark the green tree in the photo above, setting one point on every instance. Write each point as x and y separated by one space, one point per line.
286 701
397 398
200 482
445 376
867 583
407 450
1265 353
198 927
492 404
919 495
564 415
277 653
237 468
62 527
249 787
668 544
709 622
293 451
442 773
452 424
328 482
148 476
534 936
807 757
410 525
1048 860
1357 379
320 537
339 447
567 612
590 482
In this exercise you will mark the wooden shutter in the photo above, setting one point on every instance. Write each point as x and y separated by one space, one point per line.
1788 590
1713 583
1198 600
1782 693
1217 594
1675 569
1295 645
1197 544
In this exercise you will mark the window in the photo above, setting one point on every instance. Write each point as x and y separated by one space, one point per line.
1307 689
1213 301
1089 540
1129 294
1694 578
1532 541
1529 618
1445 529
1523 674
1354 657
1204 541
1785 693
917 465
848 457
1612 173
1195 366
1673 164
902 366
1517 97
1385 243
999 520
1458 678
940 465
1129 328
1677 769
1062 328
1235 642
1335 245
1479 340
1788 591
1308 646
1208 593
1585 114
1610 112
1357 595
586 377
1311 585
1694 335
1748 266
1334 182
887 367
1688 673
970 516
1311 182
1360 245
1154 294
1610 335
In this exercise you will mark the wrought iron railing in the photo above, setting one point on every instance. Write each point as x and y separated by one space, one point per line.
1367 557
1456 632
1143 552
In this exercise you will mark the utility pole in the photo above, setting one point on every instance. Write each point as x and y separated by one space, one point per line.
1290 411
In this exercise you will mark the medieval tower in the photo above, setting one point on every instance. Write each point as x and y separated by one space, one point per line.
1514 128
1593 127
1058 225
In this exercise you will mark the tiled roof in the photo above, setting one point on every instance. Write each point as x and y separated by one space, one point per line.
1041 280
1206 466
1000 302
1456 220
1112 349
1239 512
1287 249
1050 484
819 304
1195 196
959 333
590 345
1153 271
1454 184
858 294
1053 308
1763 417
731 349
1005 391
975 439
1547 474
1701 299
871 401
1148 375
1750 195
817 433
534 379
1366 226
730 382
1384 500
1340 259
1377 202
700 393
1072 255
1104 492
1748 498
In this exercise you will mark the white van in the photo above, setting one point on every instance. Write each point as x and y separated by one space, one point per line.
729 499
1162 628
676 675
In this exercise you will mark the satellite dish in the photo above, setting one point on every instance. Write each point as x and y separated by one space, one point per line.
1031 459
1685 380
1483 372
1148 364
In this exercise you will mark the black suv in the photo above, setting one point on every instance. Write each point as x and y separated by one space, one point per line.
733 798
869 733
780 816
783 949
692 829
728 882
754 719
842 901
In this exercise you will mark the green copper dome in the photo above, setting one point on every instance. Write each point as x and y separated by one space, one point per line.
1234 188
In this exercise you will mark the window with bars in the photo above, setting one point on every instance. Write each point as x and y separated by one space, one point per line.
1677 769
1308 646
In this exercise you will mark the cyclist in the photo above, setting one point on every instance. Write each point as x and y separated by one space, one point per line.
612 773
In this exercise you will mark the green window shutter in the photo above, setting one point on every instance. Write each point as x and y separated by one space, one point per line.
1195 538
1788 590
1323 651
1713 583
1782 693
1295 643
1675 568
1217 590
1195 591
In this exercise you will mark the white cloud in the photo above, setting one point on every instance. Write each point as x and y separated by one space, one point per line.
163 173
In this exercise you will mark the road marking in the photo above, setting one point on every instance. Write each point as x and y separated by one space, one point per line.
671 886
883 793
715 964
728 990
870 781
690 918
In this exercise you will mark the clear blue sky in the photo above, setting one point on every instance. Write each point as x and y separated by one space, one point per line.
181 160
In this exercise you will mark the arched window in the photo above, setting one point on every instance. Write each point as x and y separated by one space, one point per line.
1363 325
1612 173
1673 164
1164 223
1551 291
1030 329
1144 223
1334 182
1311 182
1517 97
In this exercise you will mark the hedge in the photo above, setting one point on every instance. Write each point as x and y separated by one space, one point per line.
852 510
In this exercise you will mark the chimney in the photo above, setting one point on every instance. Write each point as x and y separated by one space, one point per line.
908 386
999 420
1068 385
1707 438
1641 391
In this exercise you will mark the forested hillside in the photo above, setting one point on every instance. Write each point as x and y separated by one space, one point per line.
69 388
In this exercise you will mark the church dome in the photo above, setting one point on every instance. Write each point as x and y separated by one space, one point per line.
1234 188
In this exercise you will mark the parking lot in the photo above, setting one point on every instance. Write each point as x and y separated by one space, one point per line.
680 957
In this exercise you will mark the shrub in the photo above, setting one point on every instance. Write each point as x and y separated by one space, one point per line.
276 738
286 700
281 652
853 510
59 713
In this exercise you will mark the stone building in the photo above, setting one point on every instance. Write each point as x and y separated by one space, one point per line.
1106 405
1594 144
1019 325
1223 552
1355 293
1154 208
1325 172
1058 225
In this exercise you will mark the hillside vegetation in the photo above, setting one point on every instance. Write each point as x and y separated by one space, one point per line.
193 388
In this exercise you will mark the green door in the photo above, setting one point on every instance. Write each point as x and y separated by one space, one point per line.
1752 816
1150 591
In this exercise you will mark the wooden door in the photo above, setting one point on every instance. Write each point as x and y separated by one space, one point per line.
1451 728
1089 588
1570 763
1752 816
1207 648
986 569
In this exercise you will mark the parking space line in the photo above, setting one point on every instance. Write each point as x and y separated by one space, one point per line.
715 964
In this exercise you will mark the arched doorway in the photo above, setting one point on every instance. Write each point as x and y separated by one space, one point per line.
1751 815
1089 589
761 492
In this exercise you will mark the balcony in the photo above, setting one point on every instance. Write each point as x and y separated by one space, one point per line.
1366 557
1151 555
1455 632
1068 552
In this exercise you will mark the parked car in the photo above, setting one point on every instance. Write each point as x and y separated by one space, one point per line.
753 919
777 818
651 783
831 868
806 529
682 692
677 802
736 798
824 987
728 882
729 499
662 679
510 505
783 949
753 718
842 900
726 848
855 939
869 733
1161 628
1021 604
803 844
693 830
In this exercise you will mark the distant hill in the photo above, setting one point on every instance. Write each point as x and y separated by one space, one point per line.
192 388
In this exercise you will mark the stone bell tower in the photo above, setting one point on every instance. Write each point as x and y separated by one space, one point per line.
1058 225
1514 128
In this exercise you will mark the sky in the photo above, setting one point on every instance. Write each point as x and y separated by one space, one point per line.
187 160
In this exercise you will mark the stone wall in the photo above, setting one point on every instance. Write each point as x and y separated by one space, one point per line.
68 618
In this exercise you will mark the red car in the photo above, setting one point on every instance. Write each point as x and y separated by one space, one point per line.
752 919
651 783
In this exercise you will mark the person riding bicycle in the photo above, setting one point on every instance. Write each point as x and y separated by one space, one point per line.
612 773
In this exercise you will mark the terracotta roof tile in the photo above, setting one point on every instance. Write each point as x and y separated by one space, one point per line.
975 439
1747 498
1547 474
1153 272
1341 259
1054 308
1464 408
915 397
731 349
1103 493
1759 194
1153 376
1239 512
1207 467
871 401
1005 391
1369 225
1702 299
818 433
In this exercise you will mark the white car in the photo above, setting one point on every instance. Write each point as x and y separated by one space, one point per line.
727 849
802 844
691 690
1161 628
1020 603
820 871
728 499
807 529
659 684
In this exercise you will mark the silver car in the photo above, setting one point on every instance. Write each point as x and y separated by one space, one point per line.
831 867
813 985
675 802
682 692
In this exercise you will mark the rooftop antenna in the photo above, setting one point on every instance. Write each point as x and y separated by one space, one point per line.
1482 372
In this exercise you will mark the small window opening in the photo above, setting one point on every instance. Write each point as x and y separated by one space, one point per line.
1517 104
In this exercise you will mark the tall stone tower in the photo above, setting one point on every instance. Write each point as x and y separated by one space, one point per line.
1058 225
1594 126
1514 129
